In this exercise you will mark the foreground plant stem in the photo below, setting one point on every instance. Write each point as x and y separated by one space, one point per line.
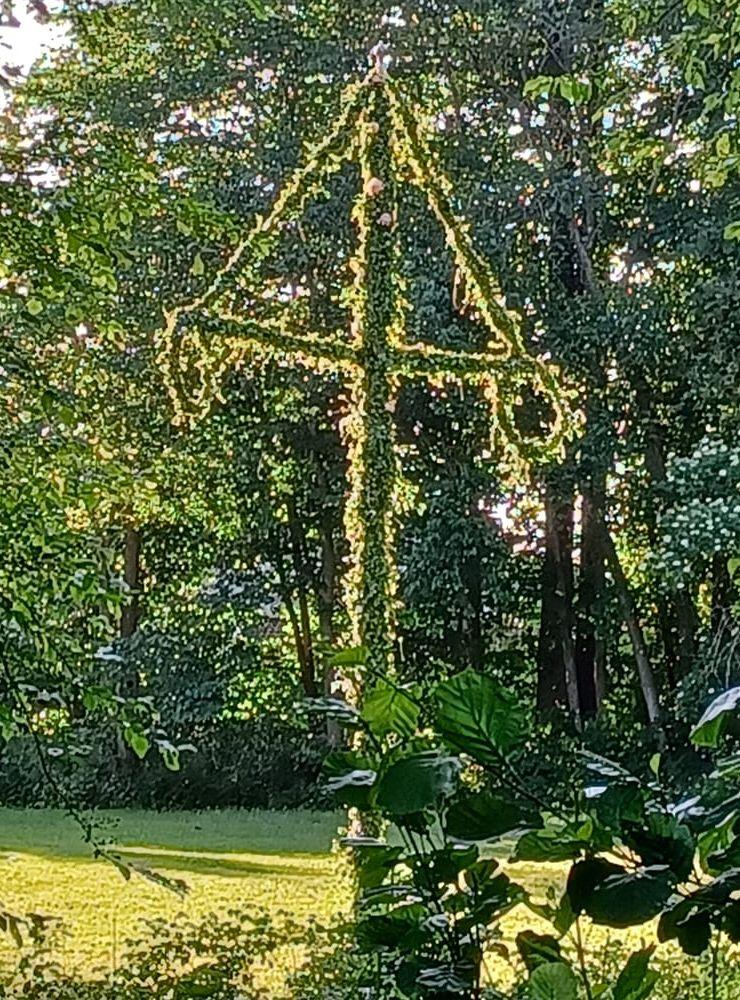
715 965
582 959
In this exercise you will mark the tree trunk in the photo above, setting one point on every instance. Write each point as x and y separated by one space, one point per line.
639 646
128 685
325 598
308 674
302 620
474 585
132 577
679 620
687 622
571 277
556 672
589 645
303 648
327 592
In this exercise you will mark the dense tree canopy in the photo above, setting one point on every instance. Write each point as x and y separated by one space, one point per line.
596 175
178 555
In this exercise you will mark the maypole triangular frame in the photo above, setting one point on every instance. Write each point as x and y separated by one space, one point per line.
483 292
183 353
375 129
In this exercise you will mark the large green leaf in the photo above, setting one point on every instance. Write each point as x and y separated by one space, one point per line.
631 898
731 921
636 980
556 842
375 862
447 863
447 980
661 840
688 924
714 838
722 711
479 717
723 815
399 928
728 767
389 708
618 804
695 932
353 788
720 861
482 816
350 777
553 981
352 656
583 878
721 889
415 783
336 709
495 893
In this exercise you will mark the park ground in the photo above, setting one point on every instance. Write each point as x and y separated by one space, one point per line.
256 861
279 861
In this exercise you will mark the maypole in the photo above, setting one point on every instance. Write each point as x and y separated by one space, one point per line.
201 339
369 514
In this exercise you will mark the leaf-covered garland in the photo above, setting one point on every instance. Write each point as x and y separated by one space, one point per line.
376 326
203 338
502 380
193 364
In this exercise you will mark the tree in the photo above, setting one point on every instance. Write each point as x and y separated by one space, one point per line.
602 245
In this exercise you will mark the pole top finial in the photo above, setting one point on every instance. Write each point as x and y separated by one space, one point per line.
380 60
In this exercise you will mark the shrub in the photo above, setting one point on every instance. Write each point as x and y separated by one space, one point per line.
261 763
221 957
446 778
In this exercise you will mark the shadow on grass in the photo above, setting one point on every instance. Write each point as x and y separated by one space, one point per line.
231 867
50 833
191 863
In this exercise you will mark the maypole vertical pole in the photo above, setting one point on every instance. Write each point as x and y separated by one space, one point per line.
372 458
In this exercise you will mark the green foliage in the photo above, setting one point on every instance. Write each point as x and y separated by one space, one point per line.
553 981
626 898
723 712
261 763
701 514
636 981
430 908
601 190
149 211
484 816
221 956
387 708
477 716
414 784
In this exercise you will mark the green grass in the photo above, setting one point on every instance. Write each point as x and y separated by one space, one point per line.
52 832
279 861
229 859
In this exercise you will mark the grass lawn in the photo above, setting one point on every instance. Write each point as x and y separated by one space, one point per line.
230 859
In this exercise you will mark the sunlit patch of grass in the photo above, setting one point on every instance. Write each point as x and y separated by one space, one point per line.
606 949
279 862
233 860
